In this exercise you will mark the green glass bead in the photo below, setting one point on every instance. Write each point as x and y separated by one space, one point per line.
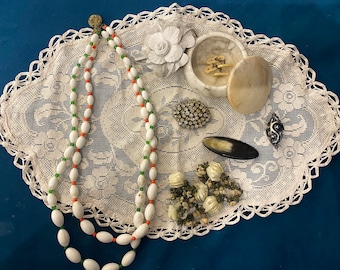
145 157
142 173
147 142
54 207
74 128
57 175
73 102
138 209
74 89
141 189
74 76
79 65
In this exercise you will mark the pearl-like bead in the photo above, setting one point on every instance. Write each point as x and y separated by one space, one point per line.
75 70
74 173
104 237
152 191
63 237
90 264
57 218
123 239
128 258
109 30
105 34
73 255
95 38
88 49
73 83
138 219
150 212
51 199
87 227
76 159
68 153
111 43
135 243
78 209
144 112
89 87
140 83
87 75
149 134
127 62
85 127
53 183
153 157
73 136
141 231
153 173
74 191
87 113
90 100
61 167
133 71
144 165
80 142
117 40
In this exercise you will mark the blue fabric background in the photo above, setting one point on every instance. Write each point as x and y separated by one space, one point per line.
306 236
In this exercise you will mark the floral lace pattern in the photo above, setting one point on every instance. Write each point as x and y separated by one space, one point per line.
34 125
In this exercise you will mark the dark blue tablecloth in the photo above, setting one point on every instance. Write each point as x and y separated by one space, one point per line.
306 236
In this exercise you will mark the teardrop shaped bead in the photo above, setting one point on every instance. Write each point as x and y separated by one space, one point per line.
152 119
78 209
57 218
128 258
138 219
74 173
51 199
61 167
53 183
150 211
141 181
140 199
152 191
141 230
63 237
135 243
87 227
73 136
124 239
150 133
111 266
69 151
104 237
80 143
74 191
153 173
73 255
90 264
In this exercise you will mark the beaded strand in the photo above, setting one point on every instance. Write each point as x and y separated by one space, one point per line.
141 221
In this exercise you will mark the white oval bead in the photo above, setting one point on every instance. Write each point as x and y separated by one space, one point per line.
127 62
140 99
138 219
73 175
128 258
73 136
153 157
51 199
105 34
61 167
111 43
152 191
80 142
93 53
57 218
104 237
74 191
133 71
69 151
90 99
73 96
74 121
73 109
130 76
152 119
109 30
147 125
150 133
135 243
149 106
76 159
150 211
111 266
153 173
146 150
117 40
144 113
87 113
140 83
73 83
82 60
145 95
124 239
87 227
95 38
141 231
89 87
141 181
154 142
144 165
75 70
63 237
120 51
136 89
73 255
78 209
87 75
85 127
53 183
88 49
90 264
89 64
140 199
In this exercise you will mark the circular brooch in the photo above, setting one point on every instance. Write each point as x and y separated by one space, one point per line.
191 114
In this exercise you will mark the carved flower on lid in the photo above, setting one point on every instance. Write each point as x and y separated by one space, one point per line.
165 50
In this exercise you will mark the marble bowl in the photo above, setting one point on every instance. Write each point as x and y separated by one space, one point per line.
209 46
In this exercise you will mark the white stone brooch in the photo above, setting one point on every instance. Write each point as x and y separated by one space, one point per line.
165 50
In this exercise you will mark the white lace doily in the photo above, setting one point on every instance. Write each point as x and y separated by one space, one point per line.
35 125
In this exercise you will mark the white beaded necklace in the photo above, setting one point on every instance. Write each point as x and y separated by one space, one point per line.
143 215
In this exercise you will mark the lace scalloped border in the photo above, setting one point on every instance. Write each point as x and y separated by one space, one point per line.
311 171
